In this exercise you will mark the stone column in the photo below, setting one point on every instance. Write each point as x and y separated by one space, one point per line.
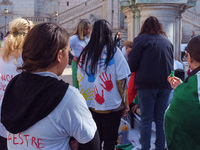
168 13
170 17
129 13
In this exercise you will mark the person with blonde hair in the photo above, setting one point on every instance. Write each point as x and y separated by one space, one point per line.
10 58
78 42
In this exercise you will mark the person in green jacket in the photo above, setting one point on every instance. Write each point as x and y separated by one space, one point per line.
182 118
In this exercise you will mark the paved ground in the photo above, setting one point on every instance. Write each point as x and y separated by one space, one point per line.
67 75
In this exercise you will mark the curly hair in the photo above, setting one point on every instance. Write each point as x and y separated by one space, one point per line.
18 28
152 26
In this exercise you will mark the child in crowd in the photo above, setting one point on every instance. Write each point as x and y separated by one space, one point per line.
126 49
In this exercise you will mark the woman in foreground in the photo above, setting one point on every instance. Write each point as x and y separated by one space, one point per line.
40 111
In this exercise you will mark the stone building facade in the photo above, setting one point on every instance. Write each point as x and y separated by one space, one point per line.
70 11
173 15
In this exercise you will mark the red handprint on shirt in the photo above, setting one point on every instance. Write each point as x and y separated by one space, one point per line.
108 83
99 99
80 63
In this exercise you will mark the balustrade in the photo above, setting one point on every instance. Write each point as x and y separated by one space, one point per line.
81 7
192 15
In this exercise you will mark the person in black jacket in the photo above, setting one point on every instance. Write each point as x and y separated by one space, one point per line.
151 58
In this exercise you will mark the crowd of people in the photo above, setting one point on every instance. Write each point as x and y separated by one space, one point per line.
39 111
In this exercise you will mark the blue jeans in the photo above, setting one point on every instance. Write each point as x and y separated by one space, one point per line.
153 103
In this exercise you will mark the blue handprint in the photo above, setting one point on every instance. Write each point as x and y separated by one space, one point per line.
91 77
102 61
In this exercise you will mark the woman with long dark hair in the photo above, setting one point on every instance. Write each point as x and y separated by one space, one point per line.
102 76
152 60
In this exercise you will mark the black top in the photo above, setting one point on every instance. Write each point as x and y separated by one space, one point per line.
151 58
28 99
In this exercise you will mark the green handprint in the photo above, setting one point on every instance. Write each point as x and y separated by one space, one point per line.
87 94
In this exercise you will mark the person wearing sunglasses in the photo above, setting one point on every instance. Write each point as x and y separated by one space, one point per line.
182 122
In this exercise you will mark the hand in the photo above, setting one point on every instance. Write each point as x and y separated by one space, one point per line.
174 81
87 94
91 77
134 108
74 145
102 61
99 99
108 83
79 80
125 111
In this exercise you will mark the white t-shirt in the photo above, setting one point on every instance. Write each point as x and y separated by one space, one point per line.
123 49
77 45
177 65
100 90
7 72
71 118
183 46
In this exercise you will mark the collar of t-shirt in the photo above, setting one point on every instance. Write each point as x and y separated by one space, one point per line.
29 98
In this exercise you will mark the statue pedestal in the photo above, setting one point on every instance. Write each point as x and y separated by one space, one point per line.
168 13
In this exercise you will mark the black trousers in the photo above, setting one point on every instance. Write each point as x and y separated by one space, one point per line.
107 125
3 143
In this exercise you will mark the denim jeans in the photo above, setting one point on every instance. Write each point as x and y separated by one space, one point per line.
153 103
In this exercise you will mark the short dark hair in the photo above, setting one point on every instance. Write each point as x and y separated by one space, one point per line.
41 46
193 48
152 26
